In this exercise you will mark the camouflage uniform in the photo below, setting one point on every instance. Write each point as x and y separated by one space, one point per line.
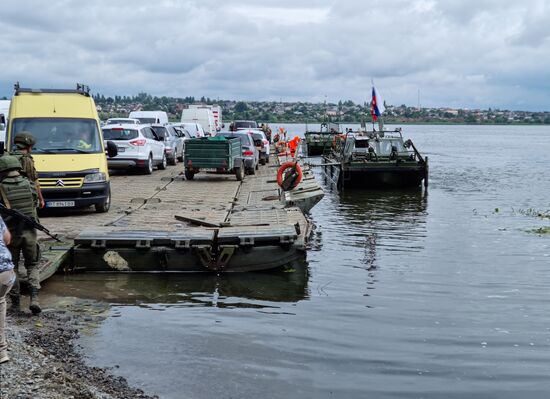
18 193
24 140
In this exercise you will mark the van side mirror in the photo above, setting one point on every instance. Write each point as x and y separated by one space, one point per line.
112 150
3 119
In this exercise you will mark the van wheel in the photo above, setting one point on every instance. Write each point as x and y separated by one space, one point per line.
180 158
163 164
102 208
173 161
262 161
149 167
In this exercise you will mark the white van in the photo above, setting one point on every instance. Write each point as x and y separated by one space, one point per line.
149 117
202 115
4 110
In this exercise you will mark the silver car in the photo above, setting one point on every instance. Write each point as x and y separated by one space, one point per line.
138 147
173 143
250 153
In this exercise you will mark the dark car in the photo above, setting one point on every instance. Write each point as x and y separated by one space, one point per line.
238 125
251 155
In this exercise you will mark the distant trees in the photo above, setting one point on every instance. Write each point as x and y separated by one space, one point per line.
241 107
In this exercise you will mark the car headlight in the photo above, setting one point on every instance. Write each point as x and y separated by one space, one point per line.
95 178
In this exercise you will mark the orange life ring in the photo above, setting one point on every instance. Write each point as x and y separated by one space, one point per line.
281 171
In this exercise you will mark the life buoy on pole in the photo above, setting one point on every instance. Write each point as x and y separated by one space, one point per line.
288 181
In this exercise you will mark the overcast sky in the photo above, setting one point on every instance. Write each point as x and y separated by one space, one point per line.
456 53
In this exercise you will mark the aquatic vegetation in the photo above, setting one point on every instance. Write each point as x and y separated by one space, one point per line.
540 231
534 213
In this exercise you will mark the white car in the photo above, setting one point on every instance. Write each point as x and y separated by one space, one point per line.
122 121
261 143
138 147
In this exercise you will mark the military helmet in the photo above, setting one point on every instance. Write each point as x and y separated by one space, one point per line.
25 139
9 162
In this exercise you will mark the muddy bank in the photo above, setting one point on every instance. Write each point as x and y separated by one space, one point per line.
46 364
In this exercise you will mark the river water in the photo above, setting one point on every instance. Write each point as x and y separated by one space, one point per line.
438 294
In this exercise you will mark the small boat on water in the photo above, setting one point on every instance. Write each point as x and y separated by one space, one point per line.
375 159
319 142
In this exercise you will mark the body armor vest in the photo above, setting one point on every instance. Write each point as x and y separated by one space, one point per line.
20 194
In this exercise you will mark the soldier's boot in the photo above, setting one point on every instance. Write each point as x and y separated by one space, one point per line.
15 298
35 305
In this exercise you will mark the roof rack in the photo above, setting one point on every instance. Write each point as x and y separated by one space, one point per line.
80 89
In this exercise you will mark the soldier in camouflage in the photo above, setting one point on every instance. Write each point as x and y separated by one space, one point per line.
24 141
16 192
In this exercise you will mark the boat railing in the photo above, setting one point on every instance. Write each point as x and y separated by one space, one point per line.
380 133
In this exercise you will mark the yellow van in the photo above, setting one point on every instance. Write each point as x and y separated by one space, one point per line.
69 153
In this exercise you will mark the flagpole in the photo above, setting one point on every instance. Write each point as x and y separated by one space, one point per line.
371 103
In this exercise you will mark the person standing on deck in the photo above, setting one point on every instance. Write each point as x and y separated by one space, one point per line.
24 141
7 279
16 192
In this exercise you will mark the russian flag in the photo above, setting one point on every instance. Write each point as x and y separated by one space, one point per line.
377 105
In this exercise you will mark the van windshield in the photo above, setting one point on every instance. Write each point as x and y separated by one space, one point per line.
119 121
147 120
60 135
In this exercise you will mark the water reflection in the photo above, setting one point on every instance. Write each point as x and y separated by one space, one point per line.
375 220
188 289
361 231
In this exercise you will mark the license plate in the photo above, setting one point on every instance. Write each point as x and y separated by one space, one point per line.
59 204
121 149
209 170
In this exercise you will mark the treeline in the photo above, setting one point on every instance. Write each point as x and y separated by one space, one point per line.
344 111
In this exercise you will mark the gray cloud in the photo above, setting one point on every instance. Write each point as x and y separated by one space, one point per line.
485 53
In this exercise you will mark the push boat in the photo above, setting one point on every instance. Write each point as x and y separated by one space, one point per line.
375 159
319 142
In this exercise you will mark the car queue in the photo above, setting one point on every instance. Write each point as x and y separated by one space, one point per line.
148 144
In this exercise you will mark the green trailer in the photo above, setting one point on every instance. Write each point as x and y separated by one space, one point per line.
213 154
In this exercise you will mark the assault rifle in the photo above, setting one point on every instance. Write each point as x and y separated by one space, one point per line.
27 220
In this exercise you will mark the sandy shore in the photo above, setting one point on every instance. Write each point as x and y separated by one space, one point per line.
45 362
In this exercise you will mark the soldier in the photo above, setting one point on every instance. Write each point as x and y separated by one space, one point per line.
24 141
16 192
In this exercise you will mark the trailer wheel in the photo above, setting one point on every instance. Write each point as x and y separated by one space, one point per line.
239 173
189 174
